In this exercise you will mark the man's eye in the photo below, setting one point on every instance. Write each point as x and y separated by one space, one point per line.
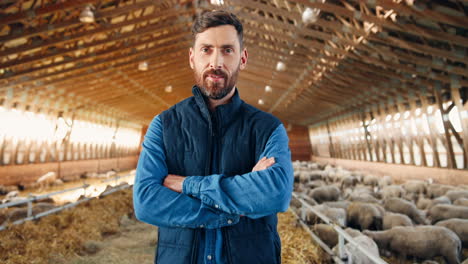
229 50
205 50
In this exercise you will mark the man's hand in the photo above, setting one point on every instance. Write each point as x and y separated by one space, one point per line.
264 163
174 182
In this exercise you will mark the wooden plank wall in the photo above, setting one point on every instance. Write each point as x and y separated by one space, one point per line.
399 172
427 129
299 142
27 174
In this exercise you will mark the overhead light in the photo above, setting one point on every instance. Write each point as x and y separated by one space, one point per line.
143 66
87 15
217 2
291 52
260 102
310 15
280 66
168 89
268 89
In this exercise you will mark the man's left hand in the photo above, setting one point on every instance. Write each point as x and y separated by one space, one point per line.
174 182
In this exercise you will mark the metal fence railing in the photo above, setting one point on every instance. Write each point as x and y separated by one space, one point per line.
33 198
342 236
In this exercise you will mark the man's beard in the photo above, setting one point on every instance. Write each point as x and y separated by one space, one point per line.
213 89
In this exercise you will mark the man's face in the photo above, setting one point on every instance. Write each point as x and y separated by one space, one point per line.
216 59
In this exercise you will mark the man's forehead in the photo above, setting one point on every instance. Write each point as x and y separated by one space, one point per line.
218 36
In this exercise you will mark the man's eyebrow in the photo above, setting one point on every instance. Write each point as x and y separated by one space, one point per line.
227 46
223 46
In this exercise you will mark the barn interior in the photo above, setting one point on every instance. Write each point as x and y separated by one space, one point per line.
373 85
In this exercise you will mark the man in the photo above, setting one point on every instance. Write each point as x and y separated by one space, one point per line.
214 171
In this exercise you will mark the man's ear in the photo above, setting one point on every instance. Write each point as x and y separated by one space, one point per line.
191 57
244 57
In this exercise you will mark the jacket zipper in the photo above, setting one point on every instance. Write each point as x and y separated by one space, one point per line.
227 245
194 247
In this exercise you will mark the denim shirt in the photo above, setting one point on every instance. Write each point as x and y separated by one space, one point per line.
210 202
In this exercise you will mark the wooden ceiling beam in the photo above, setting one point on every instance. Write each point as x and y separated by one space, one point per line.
153 29
8 80
99 14
42 11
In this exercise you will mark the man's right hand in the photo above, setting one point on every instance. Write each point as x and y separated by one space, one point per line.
264 163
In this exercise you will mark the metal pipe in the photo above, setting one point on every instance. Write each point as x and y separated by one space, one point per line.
60 208
318 240
341 232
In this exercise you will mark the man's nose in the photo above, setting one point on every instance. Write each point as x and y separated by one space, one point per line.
216 60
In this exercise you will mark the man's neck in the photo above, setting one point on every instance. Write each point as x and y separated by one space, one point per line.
212 103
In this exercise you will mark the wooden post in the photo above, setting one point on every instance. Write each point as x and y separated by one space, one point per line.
451 163
331 148
432 130
463 115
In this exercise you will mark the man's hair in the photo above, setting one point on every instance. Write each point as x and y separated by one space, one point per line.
209 19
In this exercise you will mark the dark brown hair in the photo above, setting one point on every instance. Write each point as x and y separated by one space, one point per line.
209 19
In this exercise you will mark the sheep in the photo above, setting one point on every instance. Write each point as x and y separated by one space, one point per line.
392 191
398 205
447 211
426 204
11 195
363 197
385 181
364 216
295 203
423 203
353 232
356 256
456 194
47 179
371 180
338 204
425 242
461 201
325 194
337 215
348 181
437 190
110 173
327 234
415 186
3 190
312 166
459 227
315 184
391 220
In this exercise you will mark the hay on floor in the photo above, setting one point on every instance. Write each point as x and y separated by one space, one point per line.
297 245
64 233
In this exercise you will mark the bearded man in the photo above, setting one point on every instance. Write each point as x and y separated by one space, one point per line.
214 171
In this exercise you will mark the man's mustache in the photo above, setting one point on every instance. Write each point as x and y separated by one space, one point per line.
215 72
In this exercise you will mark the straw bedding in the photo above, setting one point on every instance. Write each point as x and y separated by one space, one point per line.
64 235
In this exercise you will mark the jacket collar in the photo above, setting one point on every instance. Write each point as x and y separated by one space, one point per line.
226 111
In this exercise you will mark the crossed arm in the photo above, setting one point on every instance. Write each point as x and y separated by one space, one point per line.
215 200
175 182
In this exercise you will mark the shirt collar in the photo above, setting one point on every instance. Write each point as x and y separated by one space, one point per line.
227 111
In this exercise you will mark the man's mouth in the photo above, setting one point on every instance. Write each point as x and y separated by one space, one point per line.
215 77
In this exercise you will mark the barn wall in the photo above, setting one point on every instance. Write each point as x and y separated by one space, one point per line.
299 142
400 172
429 130
69 170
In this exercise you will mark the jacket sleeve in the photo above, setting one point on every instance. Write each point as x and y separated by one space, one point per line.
254 194
158 205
